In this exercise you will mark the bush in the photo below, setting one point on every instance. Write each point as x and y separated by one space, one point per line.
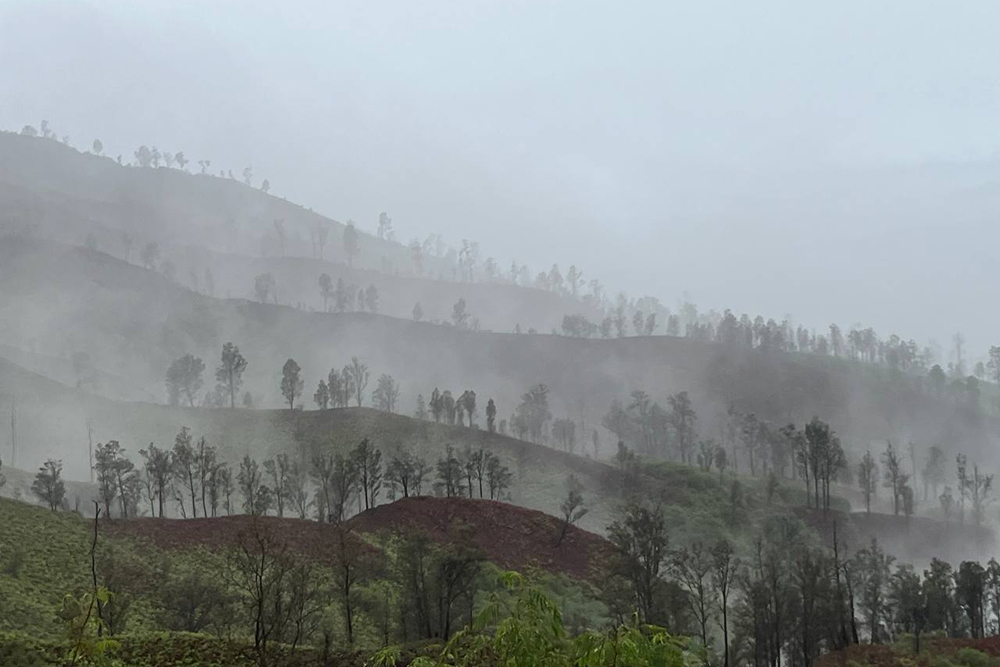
970 657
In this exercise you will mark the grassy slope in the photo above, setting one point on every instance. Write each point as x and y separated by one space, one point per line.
538 470
44 555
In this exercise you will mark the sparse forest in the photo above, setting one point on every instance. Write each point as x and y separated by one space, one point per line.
522 335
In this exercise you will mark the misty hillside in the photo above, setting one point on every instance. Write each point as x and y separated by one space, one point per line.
216 235
130 322
521 334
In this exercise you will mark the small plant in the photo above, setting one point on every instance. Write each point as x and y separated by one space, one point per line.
15 563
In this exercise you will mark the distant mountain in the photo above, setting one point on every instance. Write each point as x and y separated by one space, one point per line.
217 235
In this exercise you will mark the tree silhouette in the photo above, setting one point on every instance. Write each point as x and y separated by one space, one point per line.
230 371
291 383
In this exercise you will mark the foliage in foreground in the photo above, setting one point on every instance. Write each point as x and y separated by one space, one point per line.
522 627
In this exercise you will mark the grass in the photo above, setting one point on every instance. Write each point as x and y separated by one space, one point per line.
702 506
44 557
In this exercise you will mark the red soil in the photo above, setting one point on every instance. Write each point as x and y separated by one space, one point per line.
512 537
309 538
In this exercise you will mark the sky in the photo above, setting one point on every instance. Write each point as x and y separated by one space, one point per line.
828 161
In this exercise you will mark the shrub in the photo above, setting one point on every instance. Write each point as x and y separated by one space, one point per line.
970 657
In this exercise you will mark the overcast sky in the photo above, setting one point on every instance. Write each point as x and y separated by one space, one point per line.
832 161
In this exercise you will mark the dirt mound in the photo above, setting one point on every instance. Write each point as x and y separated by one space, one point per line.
510 536
308 538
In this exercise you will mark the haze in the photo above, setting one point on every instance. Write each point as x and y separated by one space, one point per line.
832 163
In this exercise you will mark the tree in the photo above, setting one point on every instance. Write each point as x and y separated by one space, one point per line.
872 567
291 382
206 466
359 377
105 459
980 488
449 475
418 312
682 418
693 568
325 290
143 156
48 484
498 476
725 566
893 476
466 404
230 371
258 570
640 541
184 377
349 556
367 462
322 396
265 287
351 242
385 226
386 393
868 479
185 460
371 298
933 472
98 147
294 489
401 474
126 479
459 315
279 470
256 496
491 416
572 506
337 387
436 405
534 411
993 365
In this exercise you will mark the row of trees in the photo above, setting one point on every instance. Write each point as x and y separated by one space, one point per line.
974 488
346 298
191 479
653 430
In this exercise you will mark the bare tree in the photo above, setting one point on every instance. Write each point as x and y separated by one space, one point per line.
359 378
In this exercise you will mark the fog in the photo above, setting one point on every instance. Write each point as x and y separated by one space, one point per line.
831 163
296 353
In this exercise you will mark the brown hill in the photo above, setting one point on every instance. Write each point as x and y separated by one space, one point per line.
510 536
